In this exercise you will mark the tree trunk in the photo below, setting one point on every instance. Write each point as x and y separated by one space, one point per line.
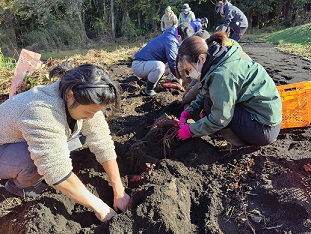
113 22
289 12
8 26
77 11
250 19
278 12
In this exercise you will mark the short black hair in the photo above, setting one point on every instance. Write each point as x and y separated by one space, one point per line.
89 83
185 30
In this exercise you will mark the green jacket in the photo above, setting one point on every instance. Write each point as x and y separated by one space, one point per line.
234 80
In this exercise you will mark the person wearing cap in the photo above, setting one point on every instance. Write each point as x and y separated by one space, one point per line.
243 105
204 22
40 127
186 15
235 23
149 62
169 19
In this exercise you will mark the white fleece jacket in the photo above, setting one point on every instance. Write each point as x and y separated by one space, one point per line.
38 116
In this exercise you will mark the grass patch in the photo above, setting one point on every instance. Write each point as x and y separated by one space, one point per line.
295 40
254 36
295 35
6 62
303 51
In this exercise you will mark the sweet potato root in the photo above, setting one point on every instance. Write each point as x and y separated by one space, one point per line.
165 122
173 85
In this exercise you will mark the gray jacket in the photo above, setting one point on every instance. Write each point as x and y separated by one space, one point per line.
186 18
38 117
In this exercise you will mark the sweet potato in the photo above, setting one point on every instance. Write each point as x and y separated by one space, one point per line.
173 85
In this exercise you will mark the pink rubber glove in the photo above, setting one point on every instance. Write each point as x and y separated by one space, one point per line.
184 132
185 115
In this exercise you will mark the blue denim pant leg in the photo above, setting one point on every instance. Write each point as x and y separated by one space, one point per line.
16 164
249 130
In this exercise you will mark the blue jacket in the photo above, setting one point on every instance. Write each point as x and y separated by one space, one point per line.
162 48
196 25
234 17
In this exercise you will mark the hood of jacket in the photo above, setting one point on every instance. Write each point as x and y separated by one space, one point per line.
217 56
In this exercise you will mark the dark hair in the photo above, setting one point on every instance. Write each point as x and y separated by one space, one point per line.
191 48
89 83
185 30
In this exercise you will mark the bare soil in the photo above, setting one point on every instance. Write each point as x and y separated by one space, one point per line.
195 186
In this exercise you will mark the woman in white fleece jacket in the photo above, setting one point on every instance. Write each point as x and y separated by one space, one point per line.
36 126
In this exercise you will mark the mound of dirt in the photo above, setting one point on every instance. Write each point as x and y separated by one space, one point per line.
191 186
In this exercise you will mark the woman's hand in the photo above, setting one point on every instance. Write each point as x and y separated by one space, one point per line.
104 212
121 199
121 202
185 115
184 132
73 188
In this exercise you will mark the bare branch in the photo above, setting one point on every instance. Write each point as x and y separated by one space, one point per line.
214 2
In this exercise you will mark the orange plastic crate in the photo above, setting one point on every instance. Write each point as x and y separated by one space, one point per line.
296 104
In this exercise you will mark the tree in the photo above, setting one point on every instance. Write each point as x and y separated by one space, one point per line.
8 42
113 23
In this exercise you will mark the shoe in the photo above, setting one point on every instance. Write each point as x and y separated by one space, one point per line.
232 138
150 88
28 192
150 92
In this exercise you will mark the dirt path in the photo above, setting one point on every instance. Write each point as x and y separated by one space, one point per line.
195 187
283 68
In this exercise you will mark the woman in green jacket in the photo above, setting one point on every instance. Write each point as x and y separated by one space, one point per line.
238 96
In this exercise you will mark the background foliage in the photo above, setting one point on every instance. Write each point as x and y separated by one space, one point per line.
65 24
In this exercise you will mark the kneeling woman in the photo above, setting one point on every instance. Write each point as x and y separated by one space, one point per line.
38 125
238 96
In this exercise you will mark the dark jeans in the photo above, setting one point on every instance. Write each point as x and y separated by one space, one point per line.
248 129
237 34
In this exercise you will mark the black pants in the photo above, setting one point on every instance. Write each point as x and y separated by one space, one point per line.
237 34
248 129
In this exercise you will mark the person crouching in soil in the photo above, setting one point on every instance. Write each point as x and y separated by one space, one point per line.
238 96
38 125
149 62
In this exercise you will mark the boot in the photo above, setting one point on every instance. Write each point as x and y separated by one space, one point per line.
231 137
149 88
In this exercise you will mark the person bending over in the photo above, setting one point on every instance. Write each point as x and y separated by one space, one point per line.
149 62
37 125
238 96
235 23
